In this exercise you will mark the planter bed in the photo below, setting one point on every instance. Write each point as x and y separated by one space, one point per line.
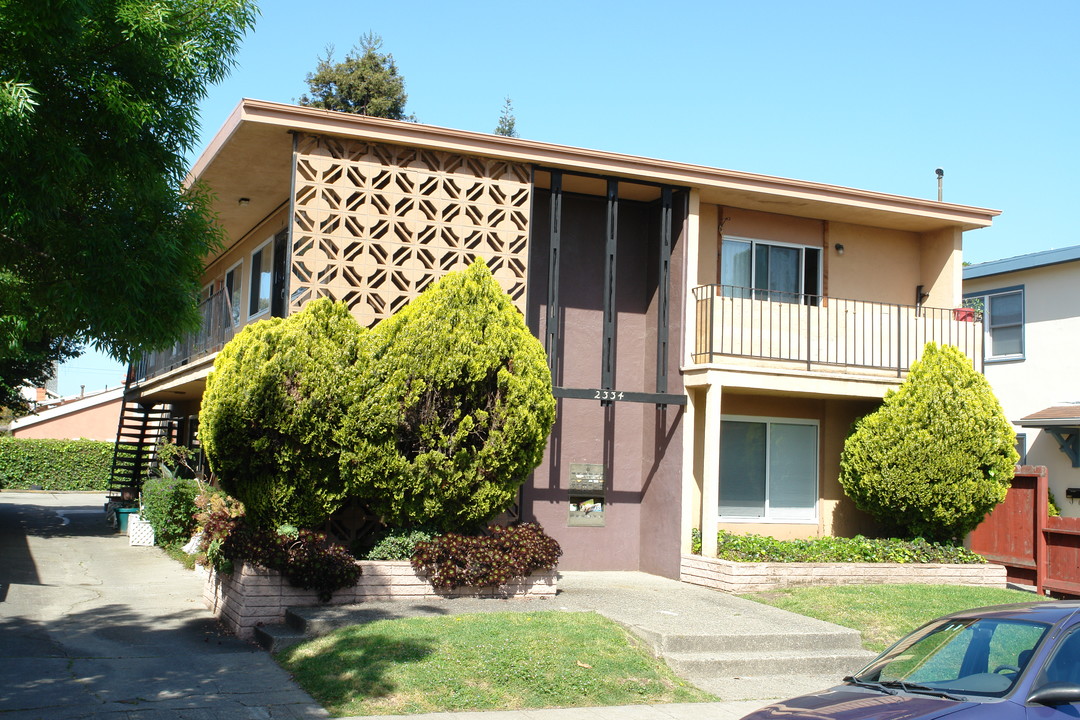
742 577
253 596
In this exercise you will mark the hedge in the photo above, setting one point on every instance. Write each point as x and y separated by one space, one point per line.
55 464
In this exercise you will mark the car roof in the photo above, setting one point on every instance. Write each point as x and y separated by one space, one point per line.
1045 612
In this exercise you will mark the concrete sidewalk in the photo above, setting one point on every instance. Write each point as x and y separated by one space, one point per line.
92 627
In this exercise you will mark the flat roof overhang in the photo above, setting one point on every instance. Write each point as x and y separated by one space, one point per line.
251 158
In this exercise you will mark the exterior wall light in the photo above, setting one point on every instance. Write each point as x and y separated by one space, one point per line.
244 202
839 248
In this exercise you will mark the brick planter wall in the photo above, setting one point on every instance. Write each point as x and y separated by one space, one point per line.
740 577
254 596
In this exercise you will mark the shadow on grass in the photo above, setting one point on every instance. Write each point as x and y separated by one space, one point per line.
342 668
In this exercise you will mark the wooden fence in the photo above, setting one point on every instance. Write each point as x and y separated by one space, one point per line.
1036 549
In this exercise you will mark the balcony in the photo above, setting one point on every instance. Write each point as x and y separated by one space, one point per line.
824 334
217 329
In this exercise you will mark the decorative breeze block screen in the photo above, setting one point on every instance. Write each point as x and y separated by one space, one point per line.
375 224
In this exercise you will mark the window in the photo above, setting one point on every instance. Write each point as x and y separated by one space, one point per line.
232 293
769 271
262 265
768 469
1021 448
1003 321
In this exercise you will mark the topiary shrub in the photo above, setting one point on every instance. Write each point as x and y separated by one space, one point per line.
168 504
272 410
509 553
453 409
55 464
937 456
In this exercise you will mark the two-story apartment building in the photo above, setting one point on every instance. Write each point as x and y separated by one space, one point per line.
1031 319
712 334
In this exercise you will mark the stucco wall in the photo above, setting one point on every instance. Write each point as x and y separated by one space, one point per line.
98 422
639 446
1045 376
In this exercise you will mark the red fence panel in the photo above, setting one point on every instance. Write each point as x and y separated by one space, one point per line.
1061 571
1034 548
1009 535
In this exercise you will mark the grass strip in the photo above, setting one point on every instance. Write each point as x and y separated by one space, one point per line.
885 613
487 661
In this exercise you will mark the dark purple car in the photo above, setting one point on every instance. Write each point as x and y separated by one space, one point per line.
1010 662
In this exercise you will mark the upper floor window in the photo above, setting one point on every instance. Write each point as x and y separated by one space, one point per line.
770 271
262 267
1003 321
232 292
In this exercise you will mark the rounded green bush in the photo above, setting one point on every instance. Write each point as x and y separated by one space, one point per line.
937 456
271 413
453 409
168 504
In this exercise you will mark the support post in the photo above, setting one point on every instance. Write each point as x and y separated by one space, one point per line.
551 324
607 379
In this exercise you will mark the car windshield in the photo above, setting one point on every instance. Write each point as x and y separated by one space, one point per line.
971 656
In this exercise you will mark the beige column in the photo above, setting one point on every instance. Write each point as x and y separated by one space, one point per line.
691 277
710 471
691 490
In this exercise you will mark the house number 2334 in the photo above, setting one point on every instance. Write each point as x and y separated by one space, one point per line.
608 395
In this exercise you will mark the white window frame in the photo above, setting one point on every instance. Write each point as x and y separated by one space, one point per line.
988 325
802 248
254 283
238 289
769 518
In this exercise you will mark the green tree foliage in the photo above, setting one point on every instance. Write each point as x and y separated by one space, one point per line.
271 411
937 456
507 123
365 83
454 409
98 106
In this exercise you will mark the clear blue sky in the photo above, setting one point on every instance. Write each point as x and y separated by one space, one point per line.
862 94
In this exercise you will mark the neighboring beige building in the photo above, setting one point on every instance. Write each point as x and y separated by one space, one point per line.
1031 316
94 417
712 334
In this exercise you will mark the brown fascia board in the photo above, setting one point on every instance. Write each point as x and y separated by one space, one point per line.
810 198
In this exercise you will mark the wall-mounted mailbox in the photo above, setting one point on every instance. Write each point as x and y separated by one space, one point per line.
586 495
1072 493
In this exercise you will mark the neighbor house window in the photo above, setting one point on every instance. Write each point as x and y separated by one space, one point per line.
232 292
262 264
770 271
1003 321
768 469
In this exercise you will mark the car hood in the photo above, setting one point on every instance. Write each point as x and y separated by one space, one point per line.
849 704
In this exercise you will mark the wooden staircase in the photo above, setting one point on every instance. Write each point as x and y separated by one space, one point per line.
142 426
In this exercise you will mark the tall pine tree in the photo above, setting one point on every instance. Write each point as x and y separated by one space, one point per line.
365 83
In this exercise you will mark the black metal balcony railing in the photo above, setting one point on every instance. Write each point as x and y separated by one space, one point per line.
816 330
218 325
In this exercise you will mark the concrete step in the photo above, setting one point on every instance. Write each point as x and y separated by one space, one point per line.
275 638
755 663
765 687
839 640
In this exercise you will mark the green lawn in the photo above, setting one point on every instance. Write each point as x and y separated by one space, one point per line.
488 661
885 613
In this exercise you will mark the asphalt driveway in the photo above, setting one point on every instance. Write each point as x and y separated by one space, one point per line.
90 627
